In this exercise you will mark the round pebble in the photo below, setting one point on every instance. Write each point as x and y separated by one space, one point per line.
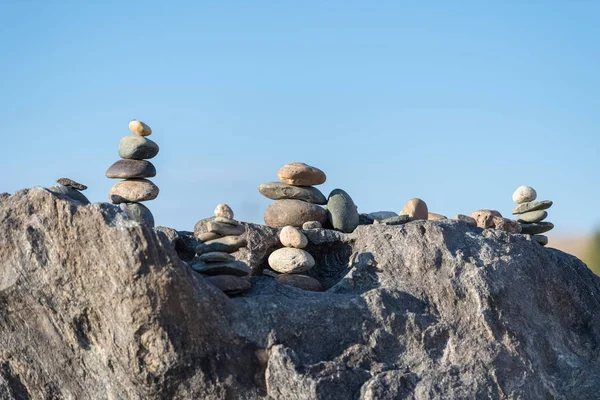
288 260
300 174
292 237
139 213
124 169
133 191
140 128
136 147
224 211
415 209
524 194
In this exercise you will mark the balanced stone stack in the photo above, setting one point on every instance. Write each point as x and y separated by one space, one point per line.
224 236
531 214
291 261
296 200
71 189
134 150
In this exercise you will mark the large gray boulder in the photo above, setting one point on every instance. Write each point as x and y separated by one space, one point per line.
96 306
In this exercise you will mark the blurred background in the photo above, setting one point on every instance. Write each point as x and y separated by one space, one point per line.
457 103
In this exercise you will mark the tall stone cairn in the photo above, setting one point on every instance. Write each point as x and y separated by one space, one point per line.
134 169
530 214
296 200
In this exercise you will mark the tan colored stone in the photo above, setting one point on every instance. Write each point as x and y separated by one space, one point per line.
224 211
292 237
294 213
485 218
507 225
140 128
415 209
466 218
300 174
289 261
300 281
436 217
133 191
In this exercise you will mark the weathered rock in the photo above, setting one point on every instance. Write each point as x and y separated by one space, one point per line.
524 194
71 183
227 244
466 218
506 225
343 215
301 174
133 191
365 219
300 281
230 284
202 226
223 211
536 228
233 267
379 215
137 148
292 237
312 225
532 206
397 220
416 209
290 261
541 239
94 306
70 193
293 213
140 128
225 229
216 256
436 217
181 242
532 216
139 213
282 191
485 218
124 169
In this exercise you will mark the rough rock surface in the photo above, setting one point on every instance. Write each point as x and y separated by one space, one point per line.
96 306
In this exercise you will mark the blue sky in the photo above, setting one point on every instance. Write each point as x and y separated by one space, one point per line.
457 103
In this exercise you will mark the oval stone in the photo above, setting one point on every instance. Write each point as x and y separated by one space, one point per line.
524 194
223 211
343 214
312 225
139 213
292 237
293 213
289 261
233 267
415 209
536 227
300 281
532 216
300 174
485 218
466 218
436 217
139 128
541 239
532 206
133 191
216 256
137 148
282 191
124 169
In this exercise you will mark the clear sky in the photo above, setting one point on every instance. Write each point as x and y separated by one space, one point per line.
457 103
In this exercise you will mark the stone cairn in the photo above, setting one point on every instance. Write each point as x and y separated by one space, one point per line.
223 236
296 200
291 260
71 189
531 214
134 169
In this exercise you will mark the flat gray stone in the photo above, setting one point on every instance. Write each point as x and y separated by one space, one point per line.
139 213
342 211
532 216
541 239
70 192
225 229
71 183
380 215
282 191
237 268
532 206
227 244
217 256
398 220
124 169
536 228
136 147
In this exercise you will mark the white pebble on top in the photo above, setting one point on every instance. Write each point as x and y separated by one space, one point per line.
223 210
524 194
140 128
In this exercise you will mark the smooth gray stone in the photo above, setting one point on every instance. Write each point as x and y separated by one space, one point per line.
541 239
532 206
536 228
398 220
365 219
138 212
342 211
281 191
225 229
137 148
216 256
227 244
71 183
237 268
70 192
532 216
124 169
381 215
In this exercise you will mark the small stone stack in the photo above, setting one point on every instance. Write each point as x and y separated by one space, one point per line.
71 189
296 200
292 260
530 214
134 169
224 236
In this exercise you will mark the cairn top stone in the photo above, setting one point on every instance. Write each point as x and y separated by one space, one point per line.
140 128
524 194
223 210
300 174
71 183
415 209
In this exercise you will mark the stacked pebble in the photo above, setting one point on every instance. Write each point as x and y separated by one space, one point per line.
134 169
530 214
71 189
296 200
224 236
291 260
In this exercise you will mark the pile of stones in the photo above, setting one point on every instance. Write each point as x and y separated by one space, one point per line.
291 261
134 150
530 214
71 189
296 200
214 259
